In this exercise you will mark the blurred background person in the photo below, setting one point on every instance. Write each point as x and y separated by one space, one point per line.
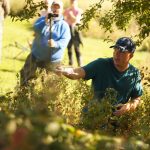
4 11
43 13
52 35
73 15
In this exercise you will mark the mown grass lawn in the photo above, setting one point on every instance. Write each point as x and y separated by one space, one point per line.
20 32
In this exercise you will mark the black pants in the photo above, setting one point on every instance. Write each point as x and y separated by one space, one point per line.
75 42
29 69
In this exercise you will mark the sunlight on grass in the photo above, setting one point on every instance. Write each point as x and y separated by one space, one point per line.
21 31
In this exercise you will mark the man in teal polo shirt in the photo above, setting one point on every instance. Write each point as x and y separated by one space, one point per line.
116 73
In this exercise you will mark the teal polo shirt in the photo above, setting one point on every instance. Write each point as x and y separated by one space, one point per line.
104 75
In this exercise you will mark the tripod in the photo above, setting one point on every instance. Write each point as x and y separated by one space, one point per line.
50 16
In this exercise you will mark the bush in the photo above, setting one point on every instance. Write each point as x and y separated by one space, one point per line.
49 114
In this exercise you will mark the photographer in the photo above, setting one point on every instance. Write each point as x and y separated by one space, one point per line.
52 35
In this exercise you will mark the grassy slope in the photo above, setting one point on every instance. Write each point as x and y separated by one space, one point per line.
13 32
21 31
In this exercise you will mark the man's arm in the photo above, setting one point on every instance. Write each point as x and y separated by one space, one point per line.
128 107
39 24
72 17
71 73
65 36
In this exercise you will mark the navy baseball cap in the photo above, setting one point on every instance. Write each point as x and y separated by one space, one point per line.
125 44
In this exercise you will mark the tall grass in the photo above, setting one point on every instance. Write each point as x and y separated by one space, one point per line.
31 115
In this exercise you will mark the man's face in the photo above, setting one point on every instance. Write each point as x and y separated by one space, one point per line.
121 58
56 9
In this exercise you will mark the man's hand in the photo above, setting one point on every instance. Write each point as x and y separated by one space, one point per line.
46 19
60 70
121 109
124 108
51 43
71 14
72 17
71 73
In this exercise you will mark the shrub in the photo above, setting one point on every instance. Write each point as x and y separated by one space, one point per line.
45 111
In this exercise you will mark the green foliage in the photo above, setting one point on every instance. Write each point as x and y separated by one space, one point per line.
28 11
99 112
30 114
137 122
120 15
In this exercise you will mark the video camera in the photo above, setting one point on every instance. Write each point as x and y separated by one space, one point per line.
50 15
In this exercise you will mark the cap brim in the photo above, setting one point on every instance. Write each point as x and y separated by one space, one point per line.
112 46
119 48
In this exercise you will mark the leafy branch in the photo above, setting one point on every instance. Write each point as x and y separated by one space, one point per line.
122 12
28 11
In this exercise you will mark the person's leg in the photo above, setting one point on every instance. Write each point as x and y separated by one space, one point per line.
77 42
70 55
28 70
78 55
69 47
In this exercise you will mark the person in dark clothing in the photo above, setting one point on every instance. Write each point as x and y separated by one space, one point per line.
73 15
116 73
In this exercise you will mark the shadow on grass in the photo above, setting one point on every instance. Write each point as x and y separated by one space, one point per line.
6 70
